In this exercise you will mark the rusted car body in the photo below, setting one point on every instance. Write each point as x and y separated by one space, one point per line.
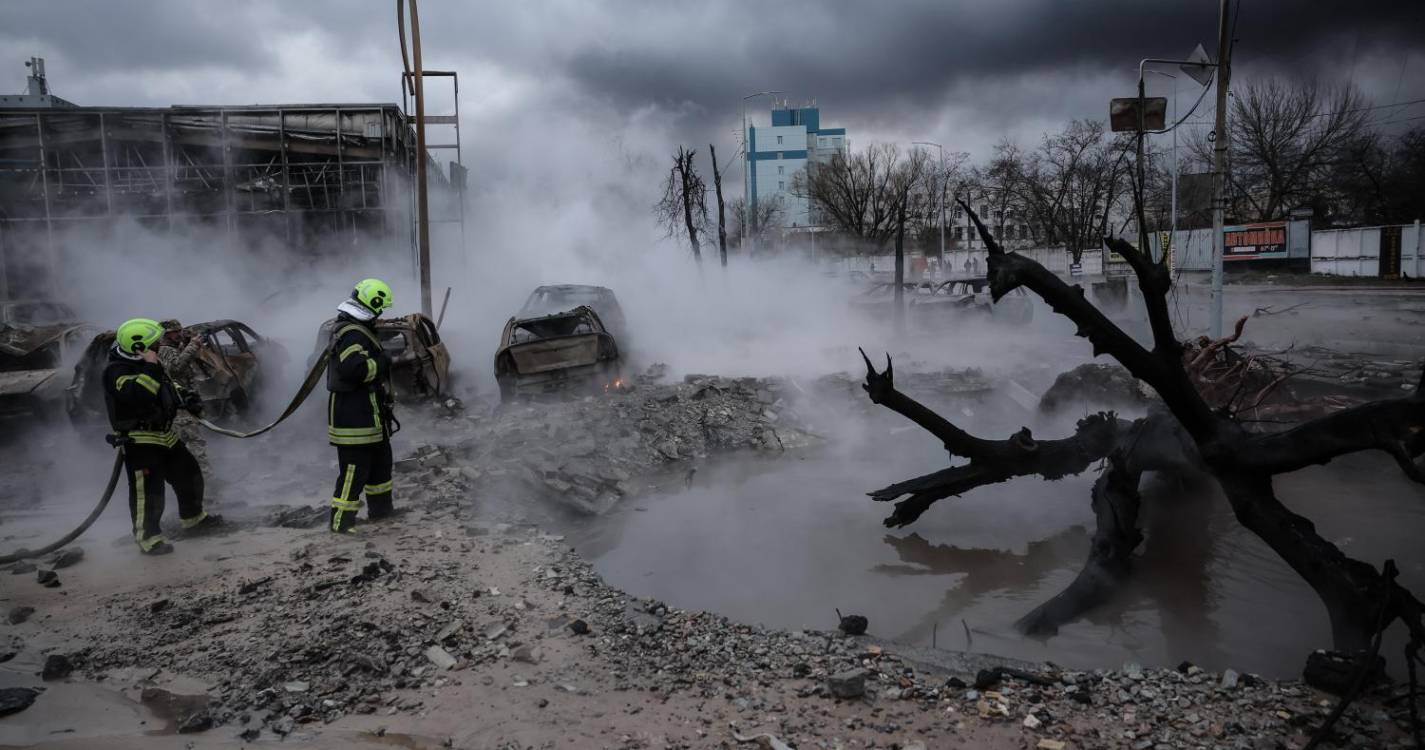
37 340
420 363
556 352
228 372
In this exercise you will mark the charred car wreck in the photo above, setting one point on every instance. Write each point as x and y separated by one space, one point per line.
937 303
420 363
37 340
556 352
227 373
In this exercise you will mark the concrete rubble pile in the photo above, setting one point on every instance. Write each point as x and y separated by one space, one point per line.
586 454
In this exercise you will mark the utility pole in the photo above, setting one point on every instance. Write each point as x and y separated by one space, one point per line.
422 200
940 178
1219 165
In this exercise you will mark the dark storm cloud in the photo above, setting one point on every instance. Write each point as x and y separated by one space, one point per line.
915 53
974 69
136 34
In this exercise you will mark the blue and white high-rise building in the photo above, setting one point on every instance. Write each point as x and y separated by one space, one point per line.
776 154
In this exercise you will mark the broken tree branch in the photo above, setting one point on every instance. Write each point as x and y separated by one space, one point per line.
1009 271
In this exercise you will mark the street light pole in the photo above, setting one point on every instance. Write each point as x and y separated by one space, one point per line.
941 260
1173 237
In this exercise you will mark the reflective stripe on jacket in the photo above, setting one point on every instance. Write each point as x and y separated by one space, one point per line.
356 377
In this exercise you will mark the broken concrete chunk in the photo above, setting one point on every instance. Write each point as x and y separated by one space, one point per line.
201 721
18 615
48 578
848 684
57 667
451 628
66 557
440 658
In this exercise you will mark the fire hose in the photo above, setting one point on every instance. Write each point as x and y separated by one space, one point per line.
313 377
93 516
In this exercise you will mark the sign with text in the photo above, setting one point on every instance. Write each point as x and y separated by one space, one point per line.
1264 241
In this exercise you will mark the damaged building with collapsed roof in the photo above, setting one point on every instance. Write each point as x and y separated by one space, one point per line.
304 177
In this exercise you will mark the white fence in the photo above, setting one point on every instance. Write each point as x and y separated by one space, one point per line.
1356 252
969 262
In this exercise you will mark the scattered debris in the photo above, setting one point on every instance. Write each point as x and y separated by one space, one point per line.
57 667
16 699
848 684
66 557
19 614
852 624
440 658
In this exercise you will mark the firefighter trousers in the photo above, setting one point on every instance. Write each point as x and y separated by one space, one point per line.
363 469
149 467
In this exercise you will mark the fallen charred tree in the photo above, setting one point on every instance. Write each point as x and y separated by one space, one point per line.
1206 423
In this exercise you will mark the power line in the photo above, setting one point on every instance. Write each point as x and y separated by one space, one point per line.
1368 109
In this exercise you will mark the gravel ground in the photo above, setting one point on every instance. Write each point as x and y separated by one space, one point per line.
446 627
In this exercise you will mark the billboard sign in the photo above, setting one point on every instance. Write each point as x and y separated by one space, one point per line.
1264 241
1123 114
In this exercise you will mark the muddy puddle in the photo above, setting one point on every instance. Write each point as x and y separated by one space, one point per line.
785 541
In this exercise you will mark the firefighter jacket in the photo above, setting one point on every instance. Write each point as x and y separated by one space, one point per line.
142 400
358 408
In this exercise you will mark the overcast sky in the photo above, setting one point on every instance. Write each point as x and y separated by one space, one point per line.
579 98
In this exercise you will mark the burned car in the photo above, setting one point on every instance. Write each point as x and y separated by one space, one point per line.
554 298
972 295
556 352
937 303
420 363
37 340
228 372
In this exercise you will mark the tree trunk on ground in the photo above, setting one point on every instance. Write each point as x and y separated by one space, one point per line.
721 210
1192 434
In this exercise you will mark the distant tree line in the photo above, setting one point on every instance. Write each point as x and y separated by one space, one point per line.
1293 145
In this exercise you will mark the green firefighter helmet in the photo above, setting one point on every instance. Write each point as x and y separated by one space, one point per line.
374 294
138 334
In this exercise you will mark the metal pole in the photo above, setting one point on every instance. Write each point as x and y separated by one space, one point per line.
1219 166
1173 209
422 201
1173 238
1142 189
941 149
44 187
941 260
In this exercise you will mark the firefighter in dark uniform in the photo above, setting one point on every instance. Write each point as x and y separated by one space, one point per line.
142 402
359 418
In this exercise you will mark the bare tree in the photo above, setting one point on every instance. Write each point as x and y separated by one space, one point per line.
770 213
1377 179
1202 428
1069 188
868 194
1285 139
721 207
683 207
